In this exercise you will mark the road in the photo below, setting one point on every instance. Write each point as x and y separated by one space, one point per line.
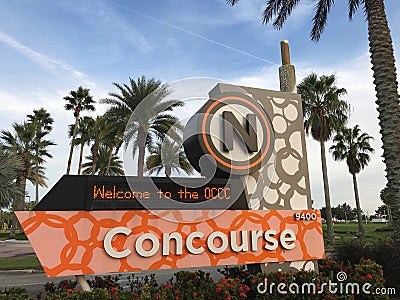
33 281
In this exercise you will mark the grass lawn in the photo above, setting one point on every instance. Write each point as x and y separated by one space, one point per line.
350 230
20 263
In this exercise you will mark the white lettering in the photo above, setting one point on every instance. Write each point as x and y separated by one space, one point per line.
189 242
154 248
210 242
245 243
178 242
107 242
291 238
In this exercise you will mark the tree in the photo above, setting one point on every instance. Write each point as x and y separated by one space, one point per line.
77 101
384 73
84 135
103 166
345 212
99 133
21 144
352 145
42 121
387 198
382 210
10 167
143 120
169 156
324 113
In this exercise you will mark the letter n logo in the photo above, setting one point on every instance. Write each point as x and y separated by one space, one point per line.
247 133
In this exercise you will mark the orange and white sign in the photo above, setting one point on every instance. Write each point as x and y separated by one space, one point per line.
90 242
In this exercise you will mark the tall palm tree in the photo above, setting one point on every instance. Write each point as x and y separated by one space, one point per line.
103 166
324 113
77 101
42 121
352 145
84 136
169 156
147 122
384 72
20 143
10 167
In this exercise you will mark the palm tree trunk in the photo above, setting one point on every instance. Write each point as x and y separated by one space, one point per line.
361 230
386 86
94 157
71 150
37 183
80 158
142 148
329 221
109 161
19 202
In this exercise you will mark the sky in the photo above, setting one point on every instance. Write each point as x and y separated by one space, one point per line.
48 48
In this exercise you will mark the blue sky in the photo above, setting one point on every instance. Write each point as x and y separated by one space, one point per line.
48 48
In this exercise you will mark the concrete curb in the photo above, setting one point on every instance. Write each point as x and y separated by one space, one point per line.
14 241
26 271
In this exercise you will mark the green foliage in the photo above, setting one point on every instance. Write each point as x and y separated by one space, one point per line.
235 285
383 251
324 111
95 294
169 156
14 294
141 108
10 167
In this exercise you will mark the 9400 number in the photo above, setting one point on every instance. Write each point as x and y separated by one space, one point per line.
305 216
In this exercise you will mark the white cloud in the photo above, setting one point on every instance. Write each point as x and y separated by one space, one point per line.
41 59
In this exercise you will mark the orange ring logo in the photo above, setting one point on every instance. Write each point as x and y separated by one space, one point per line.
210 150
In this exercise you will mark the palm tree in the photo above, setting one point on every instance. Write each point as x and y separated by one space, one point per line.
324 113
103 166
84 132
384 72
149 120
42 122
353 146
168 155
10 168
77 101
20 143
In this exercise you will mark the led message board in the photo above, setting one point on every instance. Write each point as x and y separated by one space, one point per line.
85 192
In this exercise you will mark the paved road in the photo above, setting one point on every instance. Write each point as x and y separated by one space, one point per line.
33 281
13 248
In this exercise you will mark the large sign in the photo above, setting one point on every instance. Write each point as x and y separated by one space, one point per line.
123 241
252 204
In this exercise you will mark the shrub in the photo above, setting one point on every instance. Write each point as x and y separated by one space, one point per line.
384 252
384 229
14 294
95 294
106 282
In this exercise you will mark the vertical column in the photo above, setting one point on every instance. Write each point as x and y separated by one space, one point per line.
287 72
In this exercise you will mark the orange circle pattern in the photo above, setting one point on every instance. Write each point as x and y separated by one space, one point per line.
71 242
